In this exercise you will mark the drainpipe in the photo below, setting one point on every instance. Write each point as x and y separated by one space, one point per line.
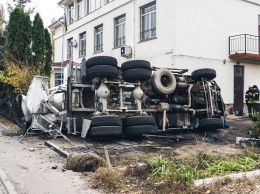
133 30
62 47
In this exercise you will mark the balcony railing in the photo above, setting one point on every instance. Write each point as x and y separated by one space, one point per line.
119 42
98 48
148 34
244 43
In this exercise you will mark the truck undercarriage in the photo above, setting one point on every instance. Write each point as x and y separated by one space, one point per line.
102 99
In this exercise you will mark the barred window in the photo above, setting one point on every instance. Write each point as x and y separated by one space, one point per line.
82 44
148 22
98 39
119 31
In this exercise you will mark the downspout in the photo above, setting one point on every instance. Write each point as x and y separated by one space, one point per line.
133 30
62 47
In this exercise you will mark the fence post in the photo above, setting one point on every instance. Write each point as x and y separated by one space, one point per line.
245 43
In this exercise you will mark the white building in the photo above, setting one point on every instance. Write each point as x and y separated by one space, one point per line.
182 34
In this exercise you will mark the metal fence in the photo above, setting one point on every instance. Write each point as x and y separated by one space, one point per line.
148 34
243 43
5 111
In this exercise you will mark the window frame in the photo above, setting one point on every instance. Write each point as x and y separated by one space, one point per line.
89 4
98 30
82 44
79 9
70 48
59 78
148 30
108 1
71 13
119 38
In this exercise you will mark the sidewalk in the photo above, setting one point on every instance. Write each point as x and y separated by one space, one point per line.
5 184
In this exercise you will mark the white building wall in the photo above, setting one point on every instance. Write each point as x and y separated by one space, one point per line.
203 29
195 31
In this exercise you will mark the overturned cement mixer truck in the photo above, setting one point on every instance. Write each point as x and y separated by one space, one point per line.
102 99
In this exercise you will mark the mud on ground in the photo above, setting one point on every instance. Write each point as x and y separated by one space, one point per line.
126 153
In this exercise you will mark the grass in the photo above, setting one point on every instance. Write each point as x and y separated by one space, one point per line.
202 166
164 175
255 128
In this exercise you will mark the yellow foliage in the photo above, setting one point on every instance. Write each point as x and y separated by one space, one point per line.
18 77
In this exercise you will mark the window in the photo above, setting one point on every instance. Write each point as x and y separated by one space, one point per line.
98 39
70 48
71 13
119 31
93 5
148 22
82 44
79 8
58 79
108 1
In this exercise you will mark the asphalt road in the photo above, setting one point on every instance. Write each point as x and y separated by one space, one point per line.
29 168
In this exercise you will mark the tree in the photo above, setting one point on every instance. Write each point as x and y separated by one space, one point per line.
18 42
20 4
48 53
38 44
2 18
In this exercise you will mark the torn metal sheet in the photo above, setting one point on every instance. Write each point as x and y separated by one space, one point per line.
85 127
37 93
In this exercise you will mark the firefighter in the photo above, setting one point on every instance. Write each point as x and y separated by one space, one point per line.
248 99
255 99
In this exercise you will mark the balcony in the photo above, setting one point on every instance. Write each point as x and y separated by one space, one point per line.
245 48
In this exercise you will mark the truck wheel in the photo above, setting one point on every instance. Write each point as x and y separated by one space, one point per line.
103 71
101 60
163 81
105 131
211 124
133 64
139 130
137 74
205 73
139 120
105 121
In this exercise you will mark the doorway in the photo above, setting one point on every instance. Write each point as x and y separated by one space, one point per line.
238 88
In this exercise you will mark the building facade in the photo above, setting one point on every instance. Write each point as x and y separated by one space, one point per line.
218 34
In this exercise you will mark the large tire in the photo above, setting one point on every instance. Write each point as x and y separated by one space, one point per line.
139 130
211 124
103 71
163 81
137 74
139 120
105 121
134 64
101 60
205 73
105 131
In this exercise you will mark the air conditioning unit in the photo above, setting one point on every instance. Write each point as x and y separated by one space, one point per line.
126 51
75 44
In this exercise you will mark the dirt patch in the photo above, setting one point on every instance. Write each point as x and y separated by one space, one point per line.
127 154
